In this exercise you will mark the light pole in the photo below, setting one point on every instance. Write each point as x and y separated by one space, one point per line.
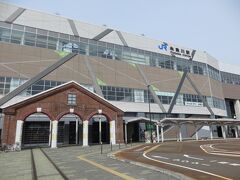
100 125
149 110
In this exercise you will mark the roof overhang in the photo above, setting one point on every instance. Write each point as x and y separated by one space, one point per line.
199 121
141 119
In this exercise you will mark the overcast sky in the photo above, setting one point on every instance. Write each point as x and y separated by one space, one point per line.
207 25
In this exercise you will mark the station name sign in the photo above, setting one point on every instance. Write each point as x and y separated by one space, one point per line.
174 50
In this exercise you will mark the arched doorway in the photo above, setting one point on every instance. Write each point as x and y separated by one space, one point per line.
36 130
94 130
70 130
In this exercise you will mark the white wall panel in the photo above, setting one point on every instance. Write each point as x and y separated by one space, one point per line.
44 21
6 10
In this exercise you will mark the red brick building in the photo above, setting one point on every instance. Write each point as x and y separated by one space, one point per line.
81 109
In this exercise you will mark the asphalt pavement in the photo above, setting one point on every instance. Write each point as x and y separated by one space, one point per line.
219 159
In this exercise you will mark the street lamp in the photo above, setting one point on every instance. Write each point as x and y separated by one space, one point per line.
149 110
100 125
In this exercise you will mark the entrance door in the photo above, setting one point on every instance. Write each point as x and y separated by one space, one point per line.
72 132
35 133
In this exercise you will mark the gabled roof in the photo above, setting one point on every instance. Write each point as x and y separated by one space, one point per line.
49 92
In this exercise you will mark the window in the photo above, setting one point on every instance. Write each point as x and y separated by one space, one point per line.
187 52
177 50
182 51
171 48
72 99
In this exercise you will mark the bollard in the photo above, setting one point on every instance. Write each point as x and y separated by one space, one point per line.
125 144
131 141
101 148
111 145
119 144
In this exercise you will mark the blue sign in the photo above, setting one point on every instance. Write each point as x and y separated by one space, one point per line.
163 46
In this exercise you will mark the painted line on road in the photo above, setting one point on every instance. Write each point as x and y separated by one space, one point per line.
141 148
206 164
220 154
223 162
201 171
234 164
109 170
191 157
161 157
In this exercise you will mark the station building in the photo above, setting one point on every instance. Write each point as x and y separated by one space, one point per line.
123 82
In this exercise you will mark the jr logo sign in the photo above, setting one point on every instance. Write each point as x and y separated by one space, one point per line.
163 46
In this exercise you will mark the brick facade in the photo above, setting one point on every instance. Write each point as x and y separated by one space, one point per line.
54 104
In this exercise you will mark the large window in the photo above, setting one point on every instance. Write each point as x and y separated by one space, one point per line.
63 42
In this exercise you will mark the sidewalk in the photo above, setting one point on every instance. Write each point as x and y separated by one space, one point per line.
76 162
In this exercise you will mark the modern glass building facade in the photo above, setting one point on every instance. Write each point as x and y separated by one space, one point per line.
31 41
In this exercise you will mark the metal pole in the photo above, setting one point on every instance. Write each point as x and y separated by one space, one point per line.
101 148
150 117
111 145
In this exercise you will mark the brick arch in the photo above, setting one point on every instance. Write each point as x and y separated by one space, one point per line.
96 113
48 114
67 112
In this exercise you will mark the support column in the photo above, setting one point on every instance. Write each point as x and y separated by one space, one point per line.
126 135
50 133
162 137
236 132
18 137
158 138
211 131
180 133
76 131
223 131
196 132
113 131
237 108
54 134
100 130
85 133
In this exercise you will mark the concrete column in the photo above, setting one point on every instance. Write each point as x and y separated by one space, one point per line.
85 133
54 134
162 137
180 133
126 135
113 131
211 131
237 108
76 131
50 133
158 138
223 131
236 132
18 137
100 130
196 132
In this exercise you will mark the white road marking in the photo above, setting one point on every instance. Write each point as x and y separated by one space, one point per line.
161 157
176 159
206 164
186 161
191 157
141 149
216 153
185 167
234 164
194 162
213 161
223 162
